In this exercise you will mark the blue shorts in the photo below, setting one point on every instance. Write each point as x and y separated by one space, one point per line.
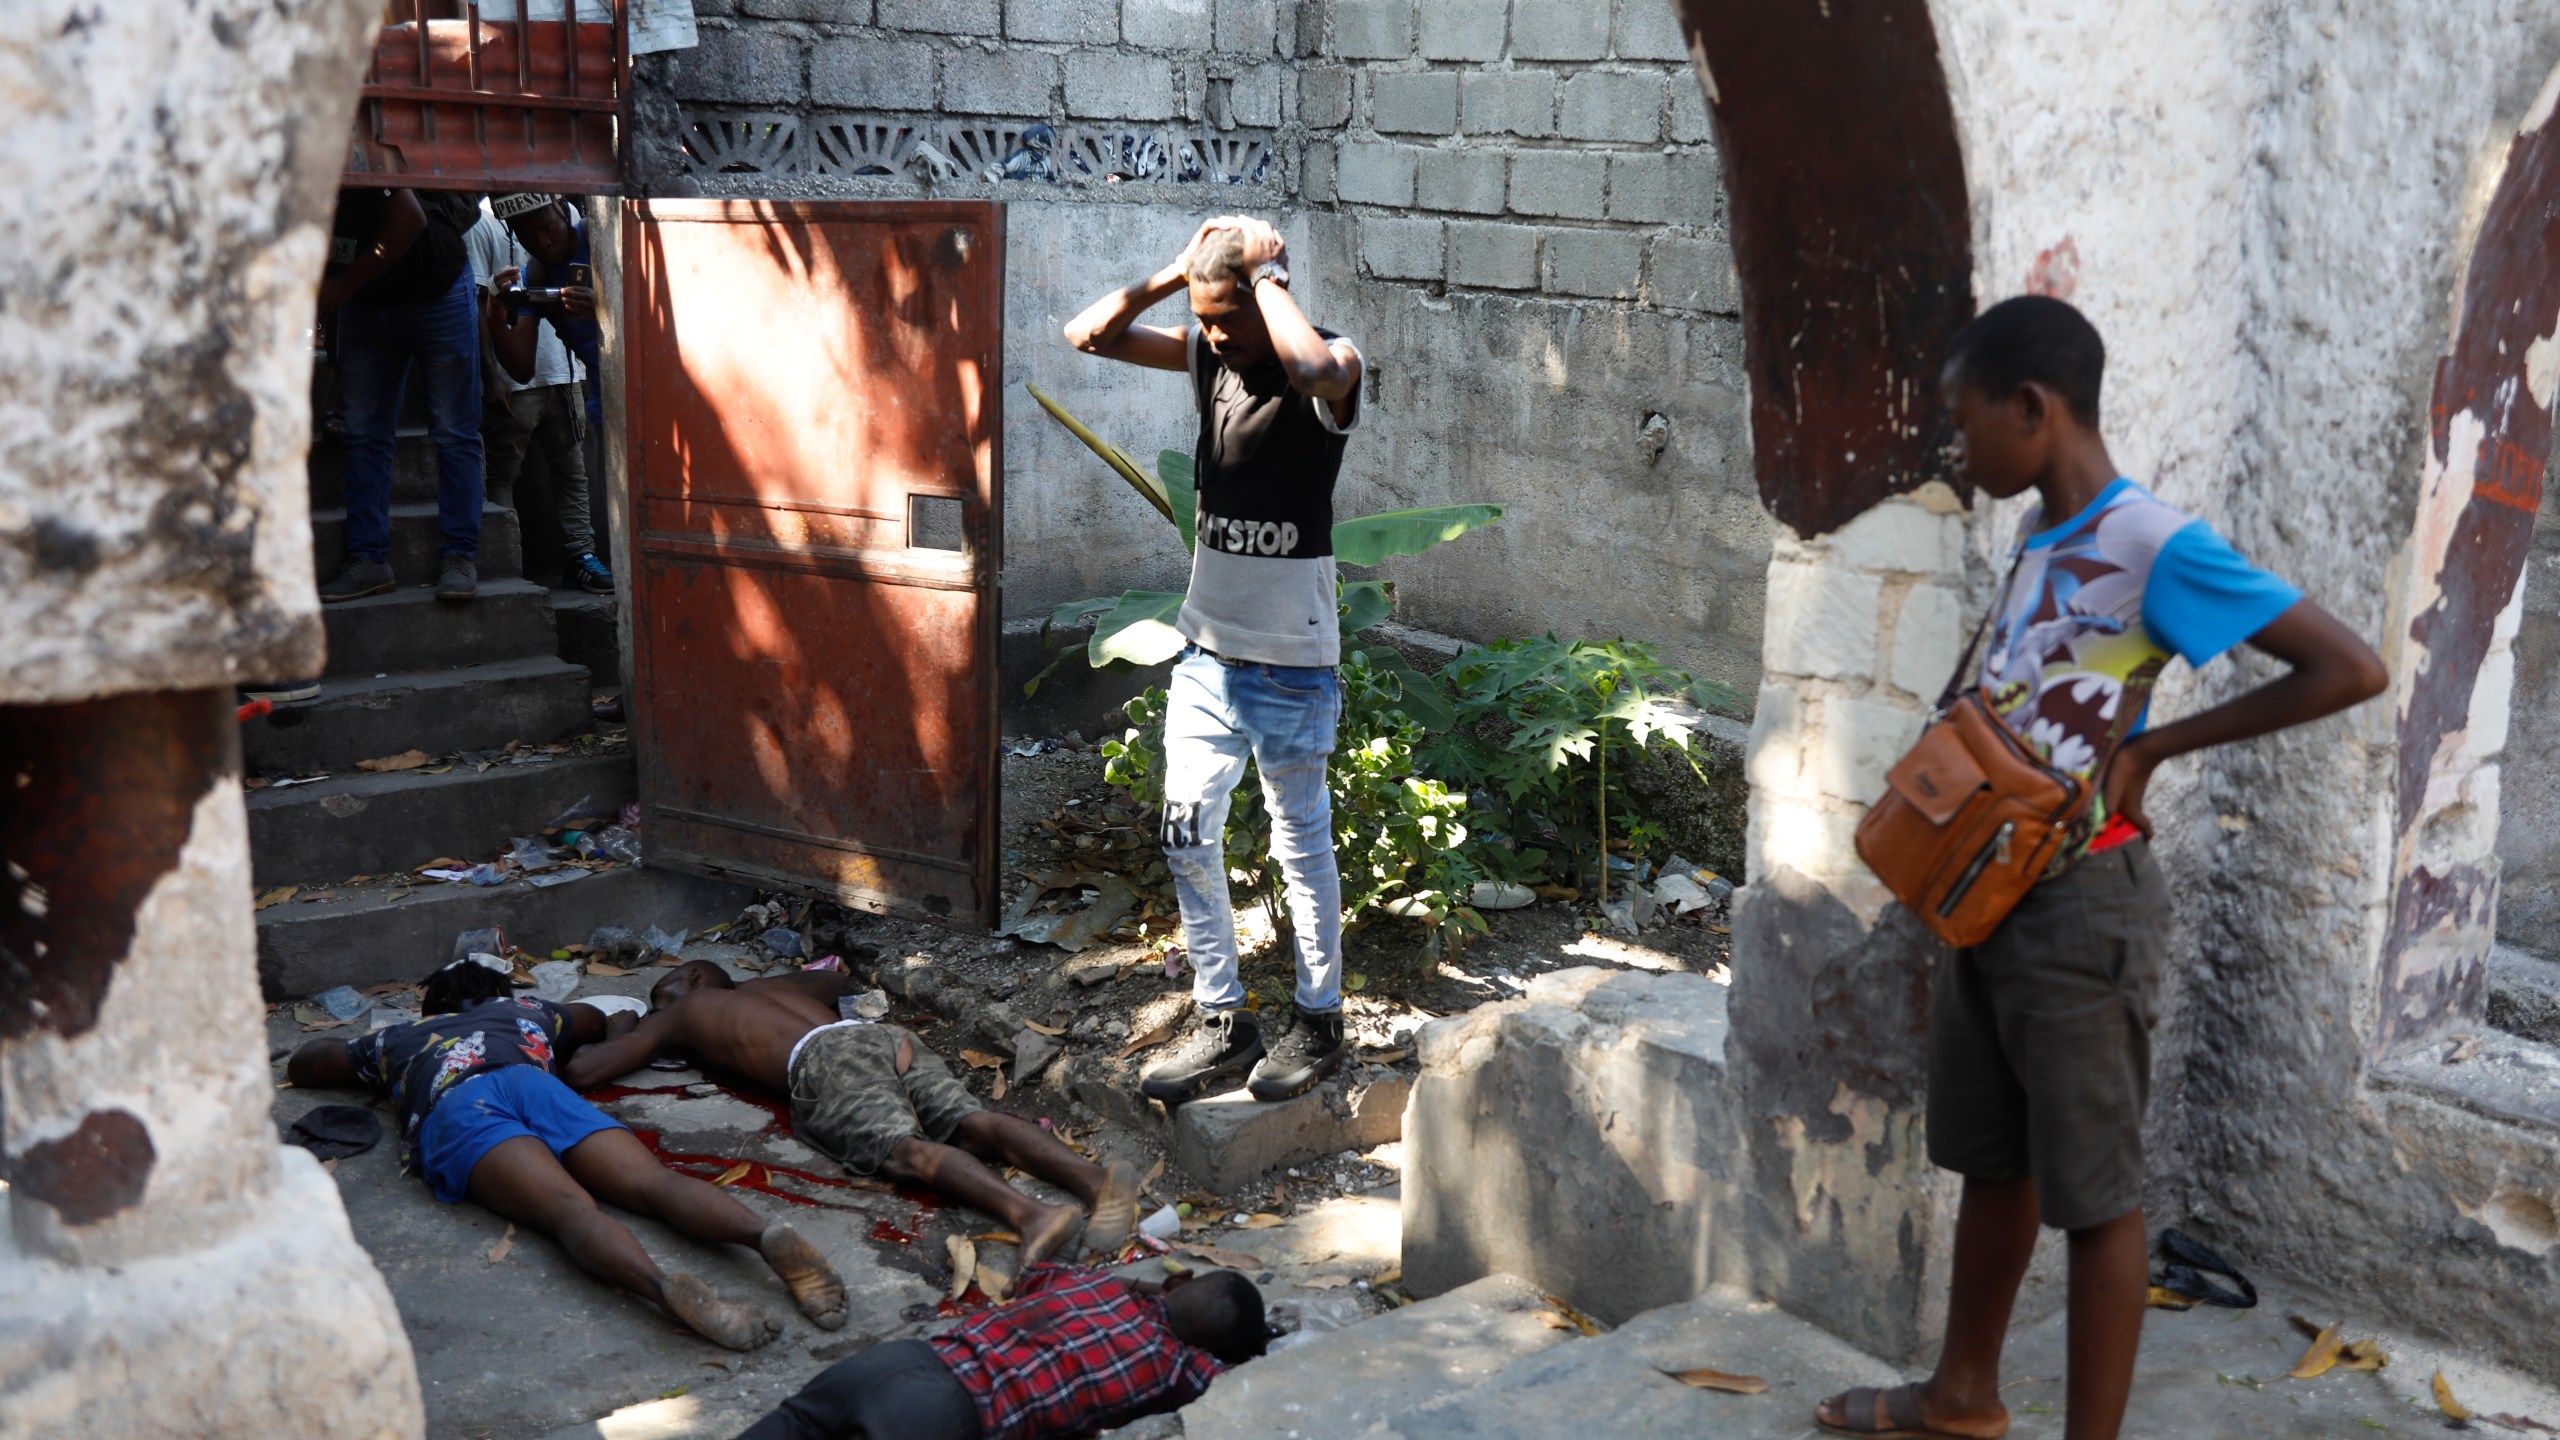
497 1105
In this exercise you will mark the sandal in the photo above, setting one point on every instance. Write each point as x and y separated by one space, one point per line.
1888 1415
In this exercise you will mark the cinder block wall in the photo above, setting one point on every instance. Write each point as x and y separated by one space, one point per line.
1512 205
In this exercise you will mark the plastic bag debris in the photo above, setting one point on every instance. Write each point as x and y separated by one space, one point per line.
611 843
614 943
556 877
487 875
555 980
344 1002
784 943
488 940
1162 1225
869 1005
1682 894
531 855
581 816
660 942
1316 1315
1501 895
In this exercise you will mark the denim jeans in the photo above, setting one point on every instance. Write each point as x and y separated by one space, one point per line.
377 345
554 418
1283 717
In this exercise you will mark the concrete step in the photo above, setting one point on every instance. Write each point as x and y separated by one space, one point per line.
2524 994
413 470
588 635
358 824
1614 1384
362 935
537 699
1344 1381
409 629
417 542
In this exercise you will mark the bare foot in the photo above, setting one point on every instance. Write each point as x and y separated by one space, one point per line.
1115 1211
1057 1226
722 1322
814 1283
1905 1410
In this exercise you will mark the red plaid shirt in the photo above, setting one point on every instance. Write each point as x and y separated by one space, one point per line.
1075 1352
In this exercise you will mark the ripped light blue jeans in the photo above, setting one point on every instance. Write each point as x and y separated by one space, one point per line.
1283 717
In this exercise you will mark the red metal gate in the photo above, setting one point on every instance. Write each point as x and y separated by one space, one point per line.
815 444
513 104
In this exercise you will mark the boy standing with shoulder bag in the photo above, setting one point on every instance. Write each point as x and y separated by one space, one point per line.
2040 1029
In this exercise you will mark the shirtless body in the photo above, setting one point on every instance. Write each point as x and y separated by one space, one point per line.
870 1097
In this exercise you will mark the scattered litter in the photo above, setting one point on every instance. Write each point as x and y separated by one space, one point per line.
1154 1037
1071 930
981 1060
614 842
784 943
1681 894
555 980
343 1001
296 780
1025 747
1173 959
1719 1380
660 942
1630 909
531 855
581 816
1264 1221
616 1004
277 896
735 1173
1162 1225
1501 895
487 875
449 876
996 1285
869 1005
405 760
556 877
618 943
964 1263
2320 1358
487 940
2188 1261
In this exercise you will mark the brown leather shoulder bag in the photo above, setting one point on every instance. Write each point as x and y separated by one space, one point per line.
1970 819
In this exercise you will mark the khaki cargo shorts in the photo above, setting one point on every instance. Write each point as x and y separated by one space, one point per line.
850 1104
2040 1040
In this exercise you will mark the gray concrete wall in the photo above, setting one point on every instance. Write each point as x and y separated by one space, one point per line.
1513 207
2529 793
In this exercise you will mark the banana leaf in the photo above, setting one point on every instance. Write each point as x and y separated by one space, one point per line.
1365 603
1112 455
1373 538
1422 698
1139 630
1173 469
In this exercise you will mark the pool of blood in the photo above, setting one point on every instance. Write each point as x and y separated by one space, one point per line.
759 1177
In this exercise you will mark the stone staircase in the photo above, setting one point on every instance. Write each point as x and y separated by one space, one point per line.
2524 994
409 672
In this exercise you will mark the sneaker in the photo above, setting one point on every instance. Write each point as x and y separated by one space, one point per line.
1307 1052
588 574
359 579
460 580
284 694
1221 1048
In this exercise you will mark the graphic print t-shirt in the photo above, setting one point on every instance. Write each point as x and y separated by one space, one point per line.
2098 605
1262 575
419 1064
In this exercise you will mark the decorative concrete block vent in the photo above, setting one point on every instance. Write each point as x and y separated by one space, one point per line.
1583 1137
916 151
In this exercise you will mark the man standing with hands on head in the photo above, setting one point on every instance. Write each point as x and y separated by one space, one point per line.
1277 400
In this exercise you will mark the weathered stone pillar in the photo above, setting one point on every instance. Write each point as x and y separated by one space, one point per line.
167 1268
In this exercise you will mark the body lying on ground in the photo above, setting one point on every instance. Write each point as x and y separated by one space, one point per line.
1078 1351
870 1097
483 1118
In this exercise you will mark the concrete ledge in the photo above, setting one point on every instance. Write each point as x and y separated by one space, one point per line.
371 824
282 1328
417 542
410 629
1345 1381
1583 1137
481 707
2524 994
1075 697
366 938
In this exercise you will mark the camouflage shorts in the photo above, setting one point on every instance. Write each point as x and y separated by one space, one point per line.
849 1103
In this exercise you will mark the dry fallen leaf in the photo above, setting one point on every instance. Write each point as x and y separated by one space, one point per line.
1554 1321
1157 1036
997 1237
998 1092
598 967
1573 1319
1719 1380
1388 1276
2467 1046
1385 1057
964 1264
2317 1360
980 1059
1556 892
1262 1221
405 760
2162 1299
994 1283
1154 1173
1052 1031
734 1173
1231 1259
277 896
2363 1355
2453 1409
505 1243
